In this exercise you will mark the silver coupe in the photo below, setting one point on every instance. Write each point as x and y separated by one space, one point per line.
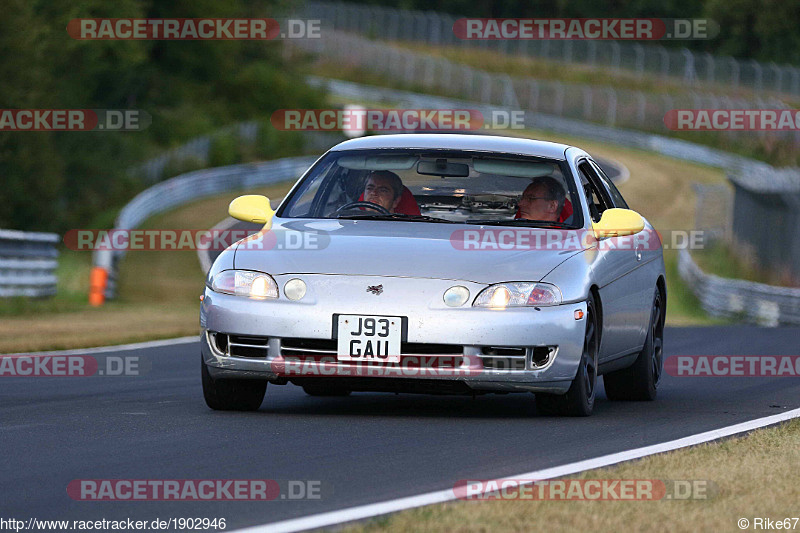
439 264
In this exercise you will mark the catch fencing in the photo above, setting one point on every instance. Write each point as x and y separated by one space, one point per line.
621 108
682 65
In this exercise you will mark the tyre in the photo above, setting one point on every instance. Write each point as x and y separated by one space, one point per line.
232 394
639 382
579 399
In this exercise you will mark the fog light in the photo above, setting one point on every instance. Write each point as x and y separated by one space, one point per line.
294 289
456 296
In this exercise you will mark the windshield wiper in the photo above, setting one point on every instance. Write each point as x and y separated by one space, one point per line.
522 222
395 216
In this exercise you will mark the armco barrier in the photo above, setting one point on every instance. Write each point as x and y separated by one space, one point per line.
28 261
767 305
189 187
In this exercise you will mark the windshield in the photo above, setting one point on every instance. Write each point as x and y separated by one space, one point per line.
437 186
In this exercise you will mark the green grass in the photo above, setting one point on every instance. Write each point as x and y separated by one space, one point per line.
683 307
781 152
71 291
749 476
158 292
557 70
727 261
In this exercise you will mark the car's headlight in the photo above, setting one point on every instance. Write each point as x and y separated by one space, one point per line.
518 294
245 283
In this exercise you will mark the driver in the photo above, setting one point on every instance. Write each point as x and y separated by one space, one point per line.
383 188
543 199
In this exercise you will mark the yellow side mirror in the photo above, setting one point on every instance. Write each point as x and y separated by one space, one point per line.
252 208
617 222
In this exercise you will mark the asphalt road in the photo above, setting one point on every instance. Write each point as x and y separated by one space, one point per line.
364 448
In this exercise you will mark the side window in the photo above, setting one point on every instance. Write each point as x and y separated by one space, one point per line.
302 206
596 197
616 197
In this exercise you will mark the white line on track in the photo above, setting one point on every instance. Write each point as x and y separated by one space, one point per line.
117 348
376 509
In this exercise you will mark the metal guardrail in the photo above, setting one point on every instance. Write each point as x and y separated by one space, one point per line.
611 106
690 68
28 261
767 305
193 186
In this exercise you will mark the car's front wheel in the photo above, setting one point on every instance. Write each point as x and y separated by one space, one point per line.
579 399
232 394
640 380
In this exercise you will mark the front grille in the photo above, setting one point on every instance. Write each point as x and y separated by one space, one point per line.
295 347
322 347
240 345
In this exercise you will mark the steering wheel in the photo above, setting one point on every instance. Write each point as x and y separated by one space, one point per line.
361 203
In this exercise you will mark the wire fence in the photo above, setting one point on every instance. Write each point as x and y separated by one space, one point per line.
623 108
683 65
28 262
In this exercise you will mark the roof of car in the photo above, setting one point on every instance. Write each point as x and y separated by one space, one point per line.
488 143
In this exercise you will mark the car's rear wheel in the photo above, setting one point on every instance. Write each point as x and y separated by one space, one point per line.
232 394
579 399
639 382
324 389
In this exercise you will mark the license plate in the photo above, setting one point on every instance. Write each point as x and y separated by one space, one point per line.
369 338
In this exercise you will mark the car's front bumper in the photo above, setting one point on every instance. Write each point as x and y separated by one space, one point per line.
429 321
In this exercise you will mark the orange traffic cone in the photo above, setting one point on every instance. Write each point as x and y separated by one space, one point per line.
98 280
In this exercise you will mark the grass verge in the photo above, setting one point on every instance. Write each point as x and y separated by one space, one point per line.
750 476
158 292
781 152
729 261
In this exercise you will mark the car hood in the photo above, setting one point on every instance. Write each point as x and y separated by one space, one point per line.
397 248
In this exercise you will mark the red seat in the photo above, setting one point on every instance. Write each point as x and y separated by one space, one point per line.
407 206
566 211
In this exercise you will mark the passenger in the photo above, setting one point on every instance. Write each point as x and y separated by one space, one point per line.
543 199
